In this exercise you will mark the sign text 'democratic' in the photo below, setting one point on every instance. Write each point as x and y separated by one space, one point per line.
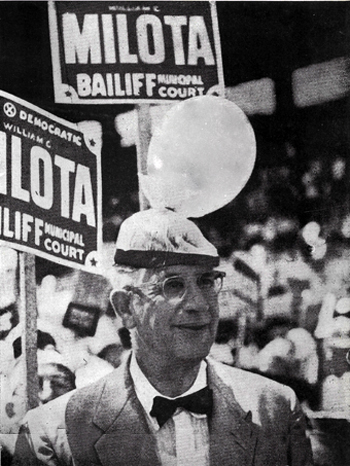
134 51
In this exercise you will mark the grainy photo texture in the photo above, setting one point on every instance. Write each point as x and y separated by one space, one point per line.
174 233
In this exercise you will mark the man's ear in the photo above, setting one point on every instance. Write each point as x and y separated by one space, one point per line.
121 302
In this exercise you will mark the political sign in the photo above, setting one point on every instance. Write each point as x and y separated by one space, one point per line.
134 52
50 184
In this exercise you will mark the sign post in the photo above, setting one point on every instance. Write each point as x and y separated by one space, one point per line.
28 317
144 137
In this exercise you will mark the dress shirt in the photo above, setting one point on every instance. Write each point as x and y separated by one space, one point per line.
184 439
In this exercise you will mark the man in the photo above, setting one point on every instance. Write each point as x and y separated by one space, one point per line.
166 293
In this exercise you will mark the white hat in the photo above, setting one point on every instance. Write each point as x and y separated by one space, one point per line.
161 237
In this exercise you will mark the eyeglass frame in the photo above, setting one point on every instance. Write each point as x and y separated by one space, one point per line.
218 274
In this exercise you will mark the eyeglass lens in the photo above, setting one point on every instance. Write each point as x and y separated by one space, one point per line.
175 287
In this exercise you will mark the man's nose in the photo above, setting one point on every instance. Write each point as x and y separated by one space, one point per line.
195 299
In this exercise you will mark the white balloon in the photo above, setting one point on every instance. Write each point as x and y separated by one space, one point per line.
200 157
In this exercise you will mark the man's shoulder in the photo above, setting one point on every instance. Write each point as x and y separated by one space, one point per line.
53 413
48 417
247 386
85 398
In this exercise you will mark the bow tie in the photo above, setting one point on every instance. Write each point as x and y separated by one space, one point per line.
200 402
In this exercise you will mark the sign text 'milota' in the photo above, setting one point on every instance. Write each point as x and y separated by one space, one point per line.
46 170
105 39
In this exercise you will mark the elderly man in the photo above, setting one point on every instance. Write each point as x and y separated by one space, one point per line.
168 404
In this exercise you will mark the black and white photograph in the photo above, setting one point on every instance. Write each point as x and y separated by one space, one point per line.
174 233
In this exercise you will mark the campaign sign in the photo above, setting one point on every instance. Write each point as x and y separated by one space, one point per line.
50 184
134 52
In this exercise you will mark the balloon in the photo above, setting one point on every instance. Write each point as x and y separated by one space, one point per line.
200 157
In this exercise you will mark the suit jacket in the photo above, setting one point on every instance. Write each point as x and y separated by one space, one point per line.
255 421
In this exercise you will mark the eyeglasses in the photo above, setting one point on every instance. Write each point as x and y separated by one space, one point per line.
176 287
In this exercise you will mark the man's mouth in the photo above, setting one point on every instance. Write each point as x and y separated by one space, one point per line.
193 326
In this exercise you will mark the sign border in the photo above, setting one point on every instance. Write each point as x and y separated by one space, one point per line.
219 88
38 252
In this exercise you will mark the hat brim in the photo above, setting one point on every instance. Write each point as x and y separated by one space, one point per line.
153 259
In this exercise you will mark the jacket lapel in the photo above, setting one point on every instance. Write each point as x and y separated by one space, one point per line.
233 436
126 438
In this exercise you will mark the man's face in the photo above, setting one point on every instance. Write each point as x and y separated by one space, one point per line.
54 381
175 329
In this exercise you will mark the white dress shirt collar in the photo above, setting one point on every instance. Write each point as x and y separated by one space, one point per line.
145 391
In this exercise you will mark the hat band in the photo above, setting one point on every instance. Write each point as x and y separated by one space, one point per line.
151 259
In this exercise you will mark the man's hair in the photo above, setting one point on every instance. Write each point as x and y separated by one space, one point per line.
126 275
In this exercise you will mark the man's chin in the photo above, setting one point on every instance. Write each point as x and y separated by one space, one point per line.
193 355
